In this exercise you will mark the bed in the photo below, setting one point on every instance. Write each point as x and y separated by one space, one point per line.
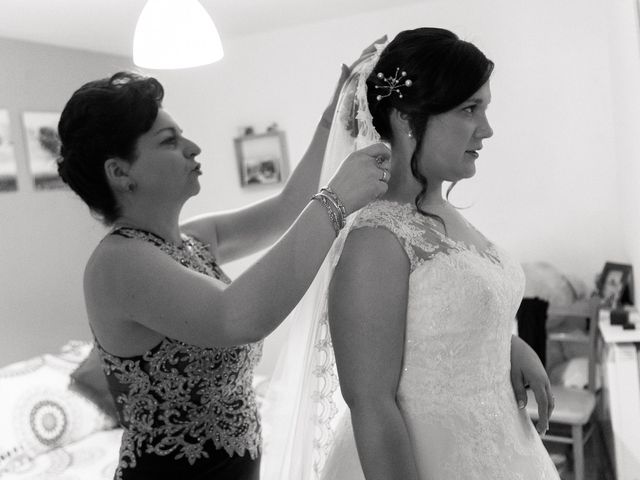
57 420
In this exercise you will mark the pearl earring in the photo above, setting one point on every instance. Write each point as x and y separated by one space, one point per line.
410 135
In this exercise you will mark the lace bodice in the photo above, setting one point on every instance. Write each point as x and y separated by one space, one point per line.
454 390
177 397
461 305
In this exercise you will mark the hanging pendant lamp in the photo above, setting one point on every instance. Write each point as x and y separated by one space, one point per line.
172 34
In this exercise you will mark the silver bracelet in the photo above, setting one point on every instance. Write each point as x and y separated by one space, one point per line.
337 203
337 209
335 222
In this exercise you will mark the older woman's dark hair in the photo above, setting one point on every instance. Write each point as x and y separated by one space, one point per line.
103 119
444 71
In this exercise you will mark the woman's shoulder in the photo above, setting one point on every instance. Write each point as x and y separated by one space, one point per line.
116 254
383 211
399 218
110 249
119 241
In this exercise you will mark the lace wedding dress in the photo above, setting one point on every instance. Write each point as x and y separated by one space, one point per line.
454 393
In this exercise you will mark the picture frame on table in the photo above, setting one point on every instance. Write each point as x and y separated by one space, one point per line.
262 158
615 284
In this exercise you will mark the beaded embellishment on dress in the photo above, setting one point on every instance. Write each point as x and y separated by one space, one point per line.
177 398
454 390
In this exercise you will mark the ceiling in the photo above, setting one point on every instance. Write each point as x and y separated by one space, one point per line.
107 25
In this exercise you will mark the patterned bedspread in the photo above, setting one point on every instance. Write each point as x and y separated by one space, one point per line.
92 458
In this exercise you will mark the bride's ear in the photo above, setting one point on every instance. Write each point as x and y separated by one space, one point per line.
400 124
400 127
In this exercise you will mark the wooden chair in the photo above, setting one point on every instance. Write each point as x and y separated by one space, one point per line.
574 408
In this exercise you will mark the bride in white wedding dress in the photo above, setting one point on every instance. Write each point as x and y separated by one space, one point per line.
415 306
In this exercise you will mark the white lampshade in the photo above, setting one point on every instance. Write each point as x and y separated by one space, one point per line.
173 34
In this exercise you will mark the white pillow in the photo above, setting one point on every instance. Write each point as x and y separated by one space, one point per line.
38 412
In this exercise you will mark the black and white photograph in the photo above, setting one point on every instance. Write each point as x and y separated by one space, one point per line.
8 163
319 239
614 282
43 149
262 158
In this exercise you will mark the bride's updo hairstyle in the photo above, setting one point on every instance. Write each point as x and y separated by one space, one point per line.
444 71
103 119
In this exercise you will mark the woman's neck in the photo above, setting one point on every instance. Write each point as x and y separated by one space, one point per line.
404 188
434 197
166 227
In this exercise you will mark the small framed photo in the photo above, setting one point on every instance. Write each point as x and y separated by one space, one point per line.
8 163
43 148
615 284
262 158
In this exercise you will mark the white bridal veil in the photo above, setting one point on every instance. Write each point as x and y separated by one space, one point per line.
303 403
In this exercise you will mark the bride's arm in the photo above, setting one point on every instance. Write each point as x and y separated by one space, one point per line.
367 313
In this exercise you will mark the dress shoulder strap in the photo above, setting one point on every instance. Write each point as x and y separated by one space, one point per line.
193 253
130 232
401 220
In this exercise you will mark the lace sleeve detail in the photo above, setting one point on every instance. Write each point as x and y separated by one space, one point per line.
398 219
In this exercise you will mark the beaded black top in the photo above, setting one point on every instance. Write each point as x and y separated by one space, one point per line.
183 400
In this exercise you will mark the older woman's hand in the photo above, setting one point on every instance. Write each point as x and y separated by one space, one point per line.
368 51
527 369
362 176
327 116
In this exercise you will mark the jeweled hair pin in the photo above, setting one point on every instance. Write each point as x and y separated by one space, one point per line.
393 84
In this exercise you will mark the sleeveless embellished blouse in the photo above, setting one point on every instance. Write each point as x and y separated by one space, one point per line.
183 400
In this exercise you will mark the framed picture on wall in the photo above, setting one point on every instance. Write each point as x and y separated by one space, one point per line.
43 149
615 284
262 158
8 164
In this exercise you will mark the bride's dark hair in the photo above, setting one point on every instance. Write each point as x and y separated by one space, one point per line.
444 70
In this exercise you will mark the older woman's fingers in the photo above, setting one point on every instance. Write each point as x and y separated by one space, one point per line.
367 51
372 48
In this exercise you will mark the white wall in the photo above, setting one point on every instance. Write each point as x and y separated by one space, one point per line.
625 71
45 236
547 186
547 183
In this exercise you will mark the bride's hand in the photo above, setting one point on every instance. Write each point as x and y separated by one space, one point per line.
527 369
